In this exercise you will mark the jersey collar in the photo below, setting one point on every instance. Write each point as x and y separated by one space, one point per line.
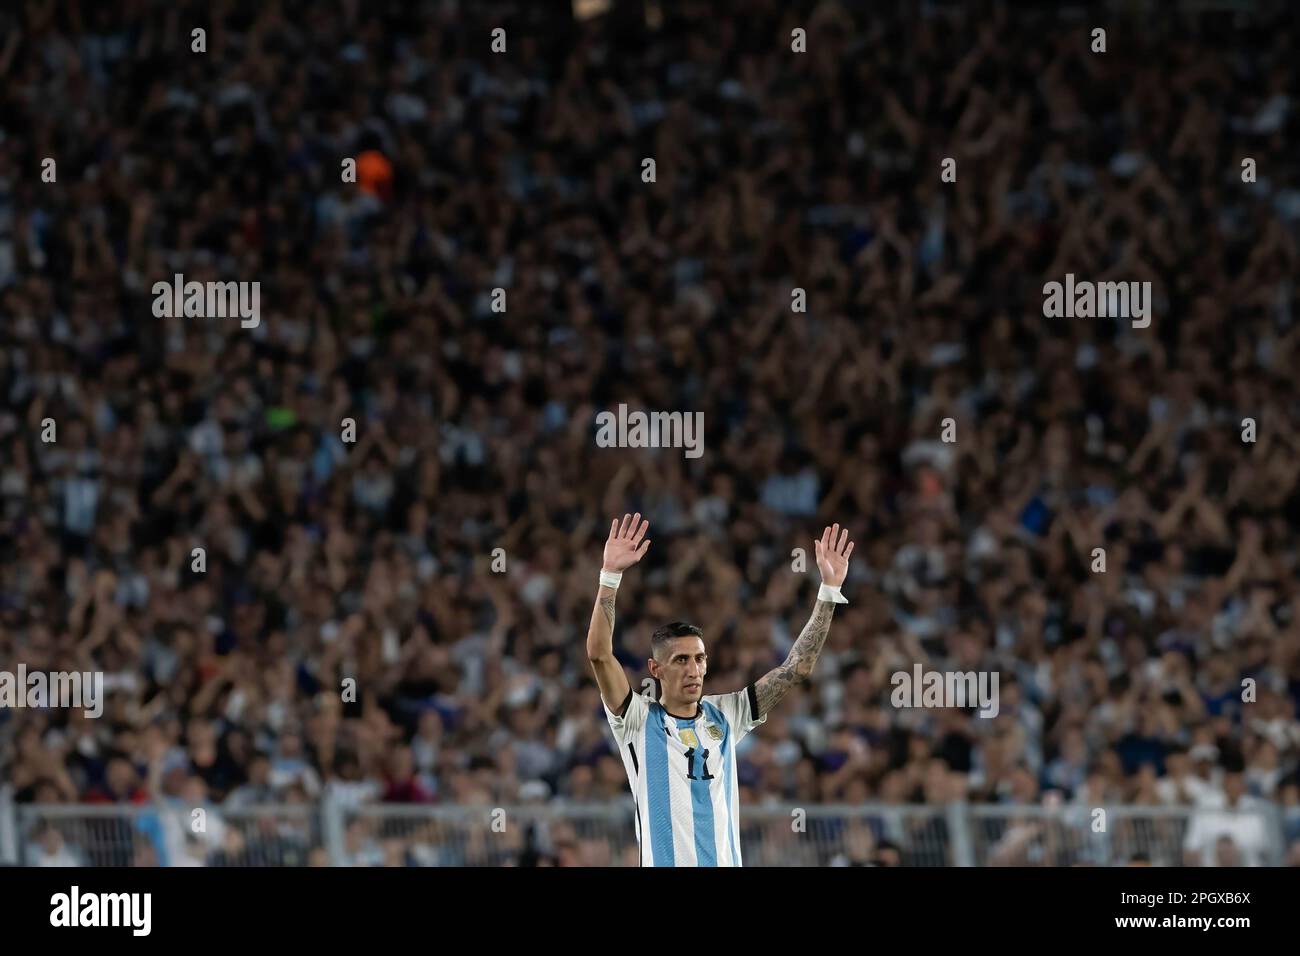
699 711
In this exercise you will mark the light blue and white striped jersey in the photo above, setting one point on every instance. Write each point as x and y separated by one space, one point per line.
683 776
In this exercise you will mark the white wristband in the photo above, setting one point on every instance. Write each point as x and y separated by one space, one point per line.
829 592
610 579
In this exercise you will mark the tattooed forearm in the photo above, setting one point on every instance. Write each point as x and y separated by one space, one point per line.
600 634
803 655
798 666
607 608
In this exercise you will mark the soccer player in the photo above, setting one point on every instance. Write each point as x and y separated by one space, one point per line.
680 750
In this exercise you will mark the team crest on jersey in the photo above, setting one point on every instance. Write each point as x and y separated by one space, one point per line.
714 731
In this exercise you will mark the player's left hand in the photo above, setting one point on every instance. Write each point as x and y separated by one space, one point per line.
833 552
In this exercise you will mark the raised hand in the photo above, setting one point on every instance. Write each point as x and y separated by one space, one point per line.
624 546
833 552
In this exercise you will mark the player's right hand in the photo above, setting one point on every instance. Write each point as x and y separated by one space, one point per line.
624 546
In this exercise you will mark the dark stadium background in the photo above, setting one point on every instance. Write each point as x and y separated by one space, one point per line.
776 170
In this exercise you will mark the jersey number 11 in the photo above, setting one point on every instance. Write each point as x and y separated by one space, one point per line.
690 765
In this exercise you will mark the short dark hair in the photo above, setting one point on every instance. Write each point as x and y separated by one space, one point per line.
666 633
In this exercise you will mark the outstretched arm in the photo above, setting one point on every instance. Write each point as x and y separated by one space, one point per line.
833 552
623 549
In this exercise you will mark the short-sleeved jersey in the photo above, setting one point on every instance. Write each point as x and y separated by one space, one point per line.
683 776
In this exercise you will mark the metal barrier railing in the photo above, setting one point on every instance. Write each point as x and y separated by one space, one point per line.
334 833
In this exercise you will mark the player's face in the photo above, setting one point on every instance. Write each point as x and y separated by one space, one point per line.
683 668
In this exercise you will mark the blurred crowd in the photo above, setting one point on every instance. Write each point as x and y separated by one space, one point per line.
400 618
